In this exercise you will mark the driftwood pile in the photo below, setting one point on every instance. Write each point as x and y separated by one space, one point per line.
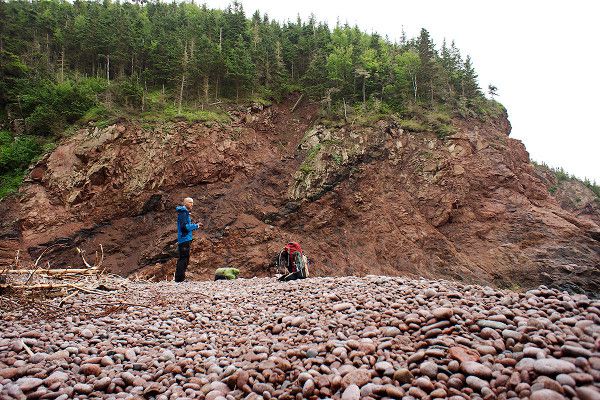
54 282
50 293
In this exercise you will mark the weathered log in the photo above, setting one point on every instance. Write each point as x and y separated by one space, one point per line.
40 286
56 271
297 102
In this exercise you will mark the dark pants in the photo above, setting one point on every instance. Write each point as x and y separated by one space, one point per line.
182 262
291 276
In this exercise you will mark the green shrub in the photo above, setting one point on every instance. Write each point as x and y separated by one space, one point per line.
561 175
337 158
155 99
203 116
438 117
188 114
312 153
412 125
95 113
128 92
464 108
416 118
443 131
10 182
49 106
306 168
261 100
5 138
490 108
18 153
439 121
307 165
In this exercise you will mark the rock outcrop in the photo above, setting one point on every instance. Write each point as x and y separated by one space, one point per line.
360 199
572 194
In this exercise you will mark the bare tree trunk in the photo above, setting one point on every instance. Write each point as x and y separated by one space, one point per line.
62 64
145 90
206 89
363 91
184 64
415 86
297 102
220 40
217 89
108 68
431 87
268 74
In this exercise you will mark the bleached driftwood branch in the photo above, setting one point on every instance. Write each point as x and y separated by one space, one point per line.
65 279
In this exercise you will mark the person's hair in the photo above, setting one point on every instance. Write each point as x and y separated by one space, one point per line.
187 199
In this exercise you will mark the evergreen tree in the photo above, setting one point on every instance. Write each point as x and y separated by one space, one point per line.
239 65
191 53
426 72
470 87
492 90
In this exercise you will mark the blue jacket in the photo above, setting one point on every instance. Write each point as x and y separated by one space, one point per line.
184 225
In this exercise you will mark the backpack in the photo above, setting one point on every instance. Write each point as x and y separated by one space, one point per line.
292 260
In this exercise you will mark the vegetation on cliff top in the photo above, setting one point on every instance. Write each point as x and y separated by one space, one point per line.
91 62
563 176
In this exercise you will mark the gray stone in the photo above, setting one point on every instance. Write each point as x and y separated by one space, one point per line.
552 366
27 384
484 323
352 392
476 383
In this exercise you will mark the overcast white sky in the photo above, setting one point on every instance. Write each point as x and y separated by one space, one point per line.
542 55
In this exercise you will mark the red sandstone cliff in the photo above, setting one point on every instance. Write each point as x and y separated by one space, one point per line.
361 200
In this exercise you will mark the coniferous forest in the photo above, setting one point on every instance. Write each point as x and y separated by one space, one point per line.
63 63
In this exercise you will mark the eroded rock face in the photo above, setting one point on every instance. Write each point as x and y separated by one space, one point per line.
218 340
571 194
360 200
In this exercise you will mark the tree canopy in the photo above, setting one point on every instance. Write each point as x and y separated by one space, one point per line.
198 54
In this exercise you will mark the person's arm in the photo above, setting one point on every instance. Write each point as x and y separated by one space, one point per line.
191 227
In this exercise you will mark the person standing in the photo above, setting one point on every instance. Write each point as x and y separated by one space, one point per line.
185 227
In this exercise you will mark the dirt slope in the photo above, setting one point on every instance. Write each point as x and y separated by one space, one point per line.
360 199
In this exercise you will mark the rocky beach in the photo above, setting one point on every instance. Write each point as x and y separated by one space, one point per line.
370 337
